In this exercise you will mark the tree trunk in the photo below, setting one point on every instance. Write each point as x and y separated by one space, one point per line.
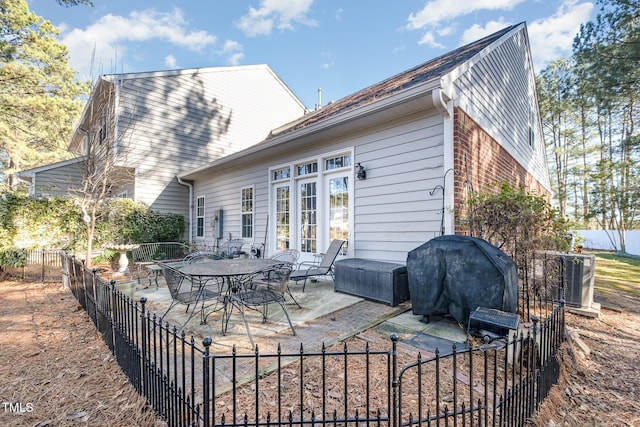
88 256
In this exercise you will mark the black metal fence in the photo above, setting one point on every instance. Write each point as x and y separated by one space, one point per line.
498 383
41 264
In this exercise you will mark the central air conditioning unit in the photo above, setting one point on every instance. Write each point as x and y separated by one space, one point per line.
577 279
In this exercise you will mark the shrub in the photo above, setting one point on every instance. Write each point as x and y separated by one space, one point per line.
517 222
57 223
13 257
126 221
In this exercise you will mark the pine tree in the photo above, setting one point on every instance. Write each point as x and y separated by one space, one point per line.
40 96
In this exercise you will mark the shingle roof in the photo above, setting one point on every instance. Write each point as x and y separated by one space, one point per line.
428 71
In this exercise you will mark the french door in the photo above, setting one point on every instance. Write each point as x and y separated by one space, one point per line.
307 215
322 214
311 204
282 197
337 218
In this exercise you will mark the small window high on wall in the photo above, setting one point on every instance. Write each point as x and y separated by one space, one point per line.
247 212
200 216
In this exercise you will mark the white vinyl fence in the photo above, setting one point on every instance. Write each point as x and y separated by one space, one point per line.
609 240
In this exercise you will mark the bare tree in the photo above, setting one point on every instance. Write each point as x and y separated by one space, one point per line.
104 167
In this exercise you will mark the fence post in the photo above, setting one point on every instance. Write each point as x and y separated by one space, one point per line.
205 380
394 380
113 302
562 330
143 325
43 267
536 374
64 259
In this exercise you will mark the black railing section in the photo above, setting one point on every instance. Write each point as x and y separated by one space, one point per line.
492 383
41 265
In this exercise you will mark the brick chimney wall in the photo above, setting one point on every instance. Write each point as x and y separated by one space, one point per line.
479 159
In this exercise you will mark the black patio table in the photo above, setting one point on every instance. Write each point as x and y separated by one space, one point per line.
234 272
228 268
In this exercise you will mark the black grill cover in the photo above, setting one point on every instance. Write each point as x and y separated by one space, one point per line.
456 274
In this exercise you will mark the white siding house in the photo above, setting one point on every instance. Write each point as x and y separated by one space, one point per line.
421 137
160 124
56 179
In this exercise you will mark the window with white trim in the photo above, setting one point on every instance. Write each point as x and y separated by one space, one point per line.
307 169
337 162
280 174
532 135
247 212
104 121
200 216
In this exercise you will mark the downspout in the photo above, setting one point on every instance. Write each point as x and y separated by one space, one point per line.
444 104
116 107
188 184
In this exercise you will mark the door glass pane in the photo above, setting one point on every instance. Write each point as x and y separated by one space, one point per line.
339 210
308 217
282 218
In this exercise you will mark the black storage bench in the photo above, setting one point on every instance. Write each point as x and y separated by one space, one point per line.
375 280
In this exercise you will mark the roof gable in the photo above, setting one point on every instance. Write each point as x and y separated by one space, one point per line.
60 164
430 70
104 91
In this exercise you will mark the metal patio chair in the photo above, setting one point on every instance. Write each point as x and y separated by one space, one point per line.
232 248
186 292
288 255
257 292
200 256
323 268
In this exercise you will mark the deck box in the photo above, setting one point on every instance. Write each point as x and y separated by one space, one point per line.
375 280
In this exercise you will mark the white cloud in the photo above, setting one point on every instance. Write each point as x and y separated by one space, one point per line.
437 11
329 61
429 39
235 59
233 51
436 16
279 13
111 33
476 32
552 37
171 61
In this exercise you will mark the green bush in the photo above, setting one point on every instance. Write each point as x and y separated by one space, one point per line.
517 222
57 223
126 221
37 223
13 257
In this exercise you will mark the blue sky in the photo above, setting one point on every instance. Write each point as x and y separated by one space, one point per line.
339 46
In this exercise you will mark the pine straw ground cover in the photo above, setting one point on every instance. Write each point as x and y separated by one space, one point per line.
54 364
600 385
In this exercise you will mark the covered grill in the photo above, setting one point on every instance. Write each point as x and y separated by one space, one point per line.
457 274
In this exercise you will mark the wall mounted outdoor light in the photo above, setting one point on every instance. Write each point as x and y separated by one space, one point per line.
360 172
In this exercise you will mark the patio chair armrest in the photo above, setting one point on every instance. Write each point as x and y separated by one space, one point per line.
307 264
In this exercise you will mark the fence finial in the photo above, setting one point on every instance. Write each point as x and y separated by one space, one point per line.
207 341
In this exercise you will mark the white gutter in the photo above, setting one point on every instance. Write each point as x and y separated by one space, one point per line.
444 104
188 184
